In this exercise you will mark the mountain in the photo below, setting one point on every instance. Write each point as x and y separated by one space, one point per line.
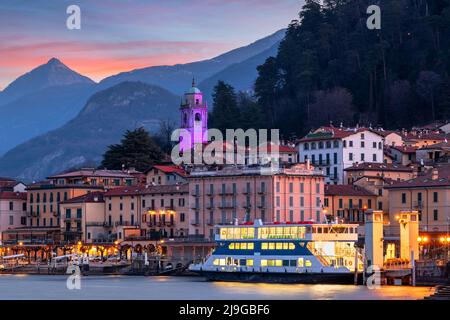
102 121
240 75
41 111
174 78
41 100
53 73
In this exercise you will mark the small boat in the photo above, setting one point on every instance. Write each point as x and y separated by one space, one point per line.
301 252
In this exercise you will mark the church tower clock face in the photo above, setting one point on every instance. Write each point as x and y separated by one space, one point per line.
194 118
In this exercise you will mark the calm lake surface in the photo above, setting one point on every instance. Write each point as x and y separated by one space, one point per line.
31 287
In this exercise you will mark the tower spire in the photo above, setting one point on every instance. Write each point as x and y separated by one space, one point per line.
193 82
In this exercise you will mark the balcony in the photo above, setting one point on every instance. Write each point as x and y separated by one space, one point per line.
210 193
210 206
262 191
245 191
261 205
246 205
227 206
227 193
125 224
195 222
195 194
418 205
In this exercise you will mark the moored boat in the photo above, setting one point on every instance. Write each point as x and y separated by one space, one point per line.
302 252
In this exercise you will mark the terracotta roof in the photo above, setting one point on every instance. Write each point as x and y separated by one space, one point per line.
10 195
346 190
385 133
92 173
374 166
171 168
441 145
95 196
142 190
426 136
281 149
405 149
426 179
327 133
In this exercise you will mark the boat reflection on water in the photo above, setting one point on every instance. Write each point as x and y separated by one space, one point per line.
31 287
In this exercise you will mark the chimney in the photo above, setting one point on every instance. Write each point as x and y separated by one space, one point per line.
434 174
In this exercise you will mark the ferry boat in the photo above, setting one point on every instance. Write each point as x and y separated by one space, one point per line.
302 252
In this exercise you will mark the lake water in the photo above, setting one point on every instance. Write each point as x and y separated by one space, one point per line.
188 288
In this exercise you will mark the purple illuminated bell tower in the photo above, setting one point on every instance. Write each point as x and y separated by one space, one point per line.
194 118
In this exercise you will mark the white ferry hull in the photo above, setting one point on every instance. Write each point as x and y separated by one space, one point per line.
278 277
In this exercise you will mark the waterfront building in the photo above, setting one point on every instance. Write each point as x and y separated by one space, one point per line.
222 195
147 211
165 174
13 207
429 195
194 118
44 216
83 218
335 149
348 203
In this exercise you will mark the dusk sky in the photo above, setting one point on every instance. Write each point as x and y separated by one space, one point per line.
121 35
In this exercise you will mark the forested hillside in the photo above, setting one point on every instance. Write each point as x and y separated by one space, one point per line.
331 67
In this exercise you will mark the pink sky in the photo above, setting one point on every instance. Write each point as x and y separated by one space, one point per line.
118 36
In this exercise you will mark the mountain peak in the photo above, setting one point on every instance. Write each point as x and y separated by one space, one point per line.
54 61
53 73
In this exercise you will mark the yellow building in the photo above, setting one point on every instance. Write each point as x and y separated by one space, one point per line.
348 203
429 194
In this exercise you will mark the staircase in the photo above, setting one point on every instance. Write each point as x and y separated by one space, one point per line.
441 293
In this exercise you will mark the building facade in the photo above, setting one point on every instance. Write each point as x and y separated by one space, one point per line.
13 207
429 195
335 149
294 193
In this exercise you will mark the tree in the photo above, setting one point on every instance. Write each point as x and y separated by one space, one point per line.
137 150
333 105
427 86
225 114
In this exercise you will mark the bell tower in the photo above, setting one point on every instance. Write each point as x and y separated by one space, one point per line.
194 118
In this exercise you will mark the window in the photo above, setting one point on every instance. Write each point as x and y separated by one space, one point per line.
350 143
341 203
320 145
344 143
78 213
362 156
317 187
11 220
362 144
121 206
302 187
374 145
435 214
302 201
306 146
109 206
435 197
403 198
278 187
336 144
362 136
374 157
350 156
68 213
11 206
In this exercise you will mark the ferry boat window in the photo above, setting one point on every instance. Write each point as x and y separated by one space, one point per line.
250 246
250 262
271 246
279 246
264 246
263 263
242 262
308 263
231 246
300 262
